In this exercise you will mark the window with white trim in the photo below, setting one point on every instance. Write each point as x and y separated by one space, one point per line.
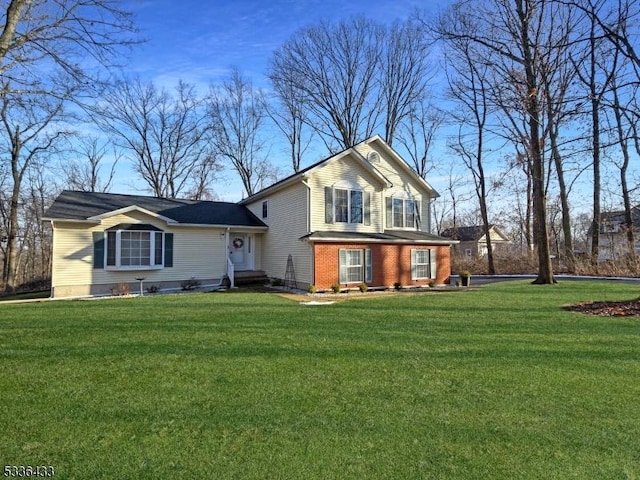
402 212
131 249
423 264
355 265
347 205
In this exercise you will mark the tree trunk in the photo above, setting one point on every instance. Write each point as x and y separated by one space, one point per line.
545 270
12 245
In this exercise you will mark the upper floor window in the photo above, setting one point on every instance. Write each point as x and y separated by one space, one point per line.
265 209
347 205
402 212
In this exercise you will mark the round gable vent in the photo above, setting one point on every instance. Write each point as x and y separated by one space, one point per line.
373 157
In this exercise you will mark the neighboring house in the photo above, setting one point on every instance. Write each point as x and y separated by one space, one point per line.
613 243
360 216
473 241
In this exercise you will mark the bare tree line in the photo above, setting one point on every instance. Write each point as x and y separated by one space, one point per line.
529 97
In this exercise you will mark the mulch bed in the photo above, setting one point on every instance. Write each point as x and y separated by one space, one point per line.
624 308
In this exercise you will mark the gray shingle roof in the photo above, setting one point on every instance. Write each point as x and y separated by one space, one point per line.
465 234
73 205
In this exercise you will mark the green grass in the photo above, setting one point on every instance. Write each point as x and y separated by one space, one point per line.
493 383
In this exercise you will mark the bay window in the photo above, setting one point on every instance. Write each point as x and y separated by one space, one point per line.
133 247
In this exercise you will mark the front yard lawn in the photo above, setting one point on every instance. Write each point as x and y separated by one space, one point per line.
499 382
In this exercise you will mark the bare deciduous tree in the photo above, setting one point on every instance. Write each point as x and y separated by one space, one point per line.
237 114
51 53
354 77
334 68
417 134
290 116
404 75
469 88
30 127
511 31
167 135
85 172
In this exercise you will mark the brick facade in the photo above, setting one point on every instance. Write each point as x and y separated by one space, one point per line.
391 263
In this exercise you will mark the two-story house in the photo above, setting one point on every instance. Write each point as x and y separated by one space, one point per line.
360 216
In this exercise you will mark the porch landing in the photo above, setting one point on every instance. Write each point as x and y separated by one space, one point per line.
249 277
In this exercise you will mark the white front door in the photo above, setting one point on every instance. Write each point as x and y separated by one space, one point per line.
241 251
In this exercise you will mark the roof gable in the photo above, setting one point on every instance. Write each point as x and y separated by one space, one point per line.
355 154
377 143
472 233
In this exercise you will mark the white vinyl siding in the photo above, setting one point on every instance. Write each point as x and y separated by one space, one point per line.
402 182
198 252
287 221
346 170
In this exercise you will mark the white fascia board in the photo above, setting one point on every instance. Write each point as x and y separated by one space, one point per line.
68 220
132 208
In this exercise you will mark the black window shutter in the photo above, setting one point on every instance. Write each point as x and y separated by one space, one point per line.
328 205
168 250
367 208
111 249
98 249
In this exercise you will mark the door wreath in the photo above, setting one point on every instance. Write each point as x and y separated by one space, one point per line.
238 242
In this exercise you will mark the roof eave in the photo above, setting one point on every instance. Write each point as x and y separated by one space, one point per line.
70 220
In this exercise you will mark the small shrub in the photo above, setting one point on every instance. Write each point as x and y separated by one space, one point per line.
153 288
363 287
277 282
432 283
397 285
312 288
335 288
121 289
190 284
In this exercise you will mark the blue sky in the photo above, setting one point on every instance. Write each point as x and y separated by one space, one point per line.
199 40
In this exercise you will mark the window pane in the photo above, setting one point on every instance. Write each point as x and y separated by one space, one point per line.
356 206
135 248
409 218
421 263
351 266
341 202
397 212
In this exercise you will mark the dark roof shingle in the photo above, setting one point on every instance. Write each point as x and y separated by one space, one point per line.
74 205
